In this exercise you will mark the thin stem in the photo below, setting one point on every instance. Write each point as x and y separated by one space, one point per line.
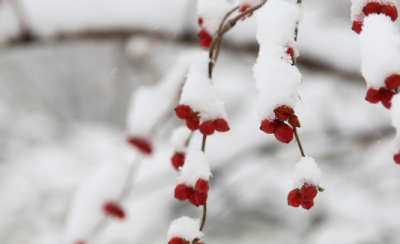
189 138
298 141
203 144
204 216
20 15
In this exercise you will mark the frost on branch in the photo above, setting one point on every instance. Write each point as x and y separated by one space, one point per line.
306 171
395 145
276 78
148 105
380 50
211 13
185 228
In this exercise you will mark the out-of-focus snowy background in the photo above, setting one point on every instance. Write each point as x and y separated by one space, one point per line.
63 102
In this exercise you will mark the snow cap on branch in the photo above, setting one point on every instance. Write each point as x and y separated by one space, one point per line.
395 145
185 228
276 78
179 138
149 104
380 50
196 167
199 93
306 171
212 12
358 5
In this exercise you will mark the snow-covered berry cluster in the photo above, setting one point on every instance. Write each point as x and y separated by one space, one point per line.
363 8
193 184
277 79
306 184
184 231
200 105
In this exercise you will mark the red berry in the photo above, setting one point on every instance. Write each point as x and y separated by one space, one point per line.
183 111
182 192
178 160
201 198
357 26
269 126
200 22
193 122
205 38
308 192
207 128
283 112
397 158
392 82
114 210
372 8
374 96
202 186
290 51
284 133
390 11
387 98
221 125
192 199
141 144
294 198
307 205
294 121
176 240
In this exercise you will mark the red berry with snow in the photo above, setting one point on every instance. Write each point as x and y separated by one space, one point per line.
307 205
205 38
178 160
290 51
183 111
357 26
308 192
294 121
201 198
390 11
207 128
374 96
177 240
387 98
114 210
392 82
294 198
182 192
143 145
193 122
202 186
269 126
397 158
372 8
221 125
283 112
192 199
284 133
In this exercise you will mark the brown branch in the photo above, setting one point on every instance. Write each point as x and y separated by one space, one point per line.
298 141
20 15
203 144
204 216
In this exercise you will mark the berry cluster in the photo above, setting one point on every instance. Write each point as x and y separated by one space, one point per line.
304 197
143 145
282 131
192 118
205 37
113 209
177 240
375 8
384 95
197 196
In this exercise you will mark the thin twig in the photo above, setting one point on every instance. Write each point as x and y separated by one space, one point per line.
20 15
189 138
204 216
203 144
298 141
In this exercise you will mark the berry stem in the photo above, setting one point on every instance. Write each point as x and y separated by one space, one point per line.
298 141
189 138
203 222
203 144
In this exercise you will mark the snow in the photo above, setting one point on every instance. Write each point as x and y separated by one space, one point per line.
306 171
149 105
358 5
179 137
199 93
196 167
249 2
212 12
185 228
380 50
276 78
395 109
